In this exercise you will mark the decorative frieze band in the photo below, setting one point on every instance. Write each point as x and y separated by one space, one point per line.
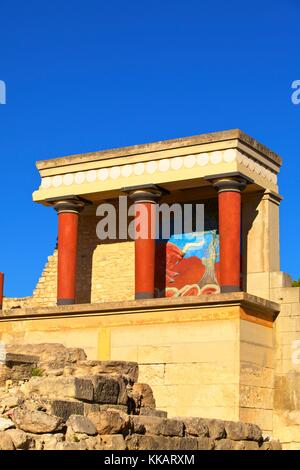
159 166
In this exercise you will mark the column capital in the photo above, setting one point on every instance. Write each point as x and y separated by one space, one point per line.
145 193
230 184
68 204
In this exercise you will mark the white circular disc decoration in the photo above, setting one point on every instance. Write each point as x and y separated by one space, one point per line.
216 157
202 159
126 170
176 163
139 169
79 177
164 165
103 174
91 176
57 181
46 183
68 179
229 155
115 172
151 167
189 161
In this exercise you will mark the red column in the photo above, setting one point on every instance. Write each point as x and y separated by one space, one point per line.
68 215
229 200
145 217
1 289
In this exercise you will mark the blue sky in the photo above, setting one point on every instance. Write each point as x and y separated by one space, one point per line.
88 75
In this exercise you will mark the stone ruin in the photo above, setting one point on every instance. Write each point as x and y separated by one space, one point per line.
53 398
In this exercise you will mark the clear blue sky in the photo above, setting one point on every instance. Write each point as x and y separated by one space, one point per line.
88 75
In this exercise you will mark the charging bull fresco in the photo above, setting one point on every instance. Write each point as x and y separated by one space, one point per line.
189 263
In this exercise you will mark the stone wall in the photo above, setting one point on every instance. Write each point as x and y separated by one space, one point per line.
276 286
52 398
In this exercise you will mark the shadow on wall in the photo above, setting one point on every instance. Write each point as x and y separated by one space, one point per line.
250 203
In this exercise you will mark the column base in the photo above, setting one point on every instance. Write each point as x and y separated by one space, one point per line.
144 295
65 301
230 289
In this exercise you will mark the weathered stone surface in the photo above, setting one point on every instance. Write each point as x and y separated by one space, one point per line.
146 411
65 408
6 424
156 426
11 402
6 442
46 441
142 395
216 428
106 442
271 445
148 442
15 358
36 422
124 368
60 387
245 445
21 440
205 443
81 445
236 431
224 444
181 443
195 427
110 421
49 353
254 432
106 389
82 425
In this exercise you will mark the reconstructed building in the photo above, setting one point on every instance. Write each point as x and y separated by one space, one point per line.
208 315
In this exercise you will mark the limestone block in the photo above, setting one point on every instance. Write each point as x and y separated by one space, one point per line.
126 368
152 373
142 395
110 421
245 445
36 422
106 442
6 423
65 408
285 295
146 411
60 387
224 444
107 390
280 279
256 397
157 426
263 418
237 431
81 424
271 445
195 427
6 442
21 440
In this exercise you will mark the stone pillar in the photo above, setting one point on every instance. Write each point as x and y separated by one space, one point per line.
1 289
229 200
68 214
145 217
